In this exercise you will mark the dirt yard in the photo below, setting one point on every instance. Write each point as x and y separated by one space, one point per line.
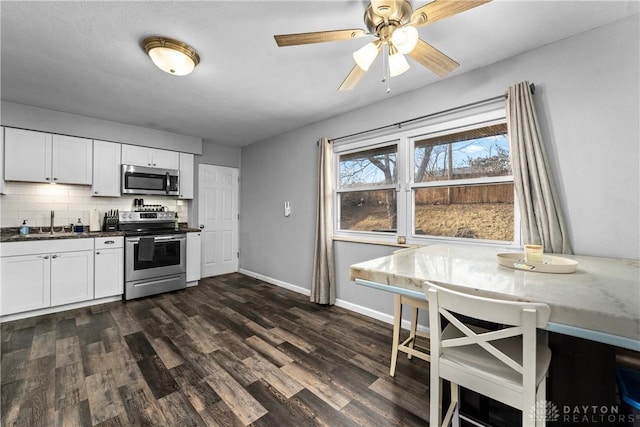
492 221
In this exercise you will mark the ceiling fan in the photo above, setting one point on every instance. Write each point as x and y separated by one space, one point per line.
394 24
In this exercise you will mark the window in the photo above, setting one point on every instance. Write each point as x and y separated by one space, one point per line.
367 189
449 180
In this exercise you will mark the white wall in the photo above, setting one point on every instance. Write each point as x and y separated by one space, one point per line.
41 119
587 91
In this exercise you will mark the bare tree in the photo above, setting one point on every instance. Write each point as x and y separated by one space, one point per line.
387 165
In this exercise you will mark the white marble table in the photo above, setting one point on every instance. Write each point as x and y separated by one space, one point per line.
600 301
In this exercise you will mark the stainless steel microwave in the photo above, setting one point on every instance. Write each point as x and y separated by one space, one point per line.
144 180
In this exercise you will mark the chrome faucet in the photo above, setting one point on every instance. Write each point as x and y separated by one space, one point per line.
52 216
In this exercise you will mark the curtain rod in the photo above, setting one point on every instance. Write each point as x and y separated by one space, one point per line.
532 88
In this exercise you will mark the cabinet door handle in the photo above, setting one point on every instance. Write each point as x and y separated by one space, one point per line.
48 179
45 257
95 192
54 256
97 253
55 179
109 242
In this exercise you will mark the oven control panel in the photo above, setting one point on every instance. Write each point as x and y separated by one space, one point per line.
146 216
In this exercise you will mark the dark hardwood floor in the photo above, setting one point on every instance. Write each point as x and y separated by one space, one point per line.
232 351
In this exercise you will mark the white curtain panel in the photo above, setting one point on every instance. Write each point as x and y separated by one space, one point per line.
542 219
323 284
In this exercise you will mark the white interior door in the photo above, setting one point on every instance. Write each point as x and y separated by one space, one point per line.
218 219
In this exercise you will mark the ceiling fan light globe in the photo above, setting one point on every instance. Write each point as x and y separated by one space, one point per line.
172 61
405 39
365 56
397 64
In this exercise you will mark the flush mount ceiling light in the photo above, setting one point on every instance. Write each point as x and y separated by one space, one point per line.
171 56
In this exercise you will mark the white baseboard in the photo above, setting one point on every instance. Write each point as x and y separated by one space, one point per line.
49 310
378 315
276 282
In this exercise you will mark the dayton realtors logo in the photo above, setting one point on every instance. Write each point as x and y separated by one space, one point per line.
544 411
580 414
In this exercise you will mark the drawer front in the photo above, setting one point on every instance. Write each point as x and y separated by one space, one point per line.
45 246
109 242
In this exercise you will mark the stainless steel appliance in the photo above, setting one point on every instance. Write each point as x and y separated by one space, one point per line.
144 180
154 252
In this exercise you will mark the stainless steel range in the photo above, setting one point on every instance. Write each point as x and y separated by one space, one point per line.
155 253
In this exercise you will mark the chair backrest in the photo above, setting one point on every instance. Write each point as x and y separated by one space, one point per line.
523 317
508 312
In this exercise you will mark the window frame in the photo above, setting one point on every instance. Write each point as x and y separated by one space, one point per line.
405 187
360 146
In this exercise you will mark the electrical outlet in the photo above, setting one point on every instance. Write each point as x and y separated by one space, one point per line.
287 209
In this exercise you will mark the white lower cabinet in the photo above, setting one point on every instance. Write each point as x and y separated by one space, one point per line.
109 267
26 283
1 160
193 258
45 273
71 277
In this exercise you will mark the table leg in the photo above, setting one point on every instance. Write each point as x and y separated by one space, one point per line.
397 321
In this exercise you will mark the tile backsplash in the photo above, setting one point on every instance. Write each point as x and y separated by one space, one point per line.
34 203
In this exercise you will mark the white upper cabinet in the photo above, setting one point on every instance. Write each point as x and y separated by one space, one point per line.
186 176
42 157
135 155
165 159
27 155
106 169
72 160
150 157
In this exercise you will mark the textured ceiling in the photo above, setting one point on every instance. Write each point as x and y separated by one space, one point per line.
84 57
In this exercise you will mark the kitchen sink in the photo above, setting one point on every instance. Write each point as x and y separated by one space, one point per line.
47 235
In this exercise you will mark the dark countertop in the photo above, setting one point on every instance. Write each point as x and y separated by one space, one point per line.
12 234
190 230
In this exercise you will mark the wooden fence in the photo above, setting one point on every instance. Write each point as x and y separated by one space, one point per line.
494 193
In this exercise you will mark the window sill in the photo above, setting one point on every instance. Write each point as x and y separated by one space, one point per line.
506 246
375 242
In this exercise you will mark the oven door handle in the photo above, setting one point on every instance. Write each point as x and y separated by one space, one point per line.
172 237
158 238
168 183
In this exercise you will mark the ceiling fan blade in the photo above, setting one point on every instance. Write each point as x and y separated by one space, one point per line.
318 37
433 59
440 9
352 79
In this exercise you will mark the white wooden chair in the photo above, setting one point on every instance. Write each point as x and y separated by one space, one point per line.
409 344
508 365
